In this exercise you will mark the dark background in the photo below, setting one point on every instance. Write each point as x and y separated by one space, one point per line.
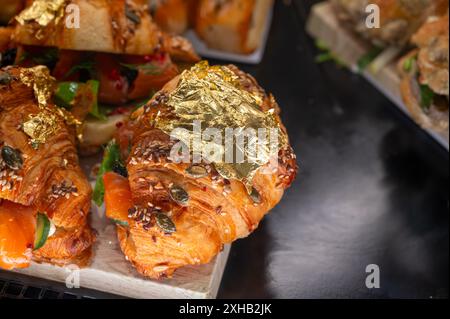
372 189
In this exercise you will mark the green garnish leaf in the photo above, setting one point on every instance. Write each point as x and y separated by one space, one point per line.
111 158
321 45
95 110
368 58
326 55
65 94
426 97
409 62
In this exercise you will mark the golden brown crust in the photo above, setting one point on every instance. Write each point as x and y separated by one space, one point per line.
437 115
171 15
109 26
219 210
49 178
399 19
67 247
104 27
235 25
428 67
433 58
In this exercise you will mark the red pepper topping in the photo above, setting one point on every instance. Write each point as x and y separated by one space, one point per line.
114 75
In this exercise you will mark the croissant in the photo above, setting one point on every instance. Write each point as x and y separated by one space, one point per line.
117 46
121 33
119 27
399 19
425 75
172 15
171 214
40 176
236 26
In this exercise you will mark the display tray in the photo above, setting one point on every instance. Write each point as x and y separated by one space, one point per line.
112 273
324 25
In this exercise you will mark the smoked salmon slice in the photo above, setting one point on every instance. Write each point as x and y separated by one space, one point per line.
17 232
118 199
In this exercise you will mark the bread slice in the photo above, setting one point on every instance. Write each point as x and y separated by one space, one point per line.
119 26
236 26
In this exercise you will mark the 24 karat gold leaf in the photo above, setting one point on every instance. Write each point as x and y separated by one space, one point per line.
42 12
41 81
214 96
41 126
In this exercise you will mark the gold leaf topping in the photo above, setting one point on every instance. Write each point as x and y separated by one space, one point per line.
41 81
41 126
42 12
214 96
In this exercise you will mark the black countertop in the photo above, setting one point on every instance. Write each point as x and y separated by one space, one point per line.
372 188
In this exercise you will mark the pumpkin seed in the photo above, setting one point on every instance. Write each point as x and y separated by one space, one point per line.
179 195
255 196
165 223
12 157
132 15
5 78
197 171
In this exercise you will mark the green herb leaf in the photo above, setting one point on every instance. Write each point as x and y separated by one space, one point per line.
368 58
409 62
321 45
110 158
95 110
326 55
426 97
65 94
